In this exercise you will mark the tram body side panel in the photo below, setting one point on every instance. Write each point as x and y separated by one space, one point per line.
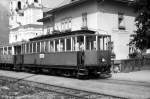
54 59
97 58
0 59
61 58
6 59
18 59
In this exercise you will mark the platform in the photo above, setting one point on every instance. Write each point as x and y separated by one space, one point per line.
128 91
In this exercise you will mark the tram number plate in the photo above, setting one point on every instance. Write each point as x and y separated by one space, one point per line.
41 55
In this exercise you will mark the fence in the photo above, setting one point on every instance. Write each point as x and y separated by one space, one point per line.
129 65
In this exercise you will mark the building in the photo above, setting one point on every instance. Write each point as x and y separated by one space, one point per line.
4 23
113 17
23 20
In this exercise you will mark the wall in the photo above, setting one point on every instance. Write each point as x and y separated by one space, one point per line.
24 34
108 21
19 31
76 14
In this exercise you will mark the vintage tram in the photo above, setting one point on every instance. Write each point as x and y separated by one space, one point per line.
74 53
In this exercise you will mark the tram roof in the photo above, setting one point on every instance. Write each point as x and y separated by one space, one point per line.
61 34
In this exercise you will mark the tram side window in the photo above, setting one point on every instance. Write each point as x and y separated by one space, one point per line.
62 45
46 46
22 49
38 47
1 51
5 50
34 47
30 47
106 43
68 44
51 46
9 50
27 48
56 45
42 46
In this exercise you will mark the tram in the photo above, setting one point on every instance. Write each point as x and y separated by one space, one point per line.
78 53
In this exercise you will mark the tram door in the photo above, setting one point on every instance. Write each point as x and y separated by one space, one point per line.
17 50
18 58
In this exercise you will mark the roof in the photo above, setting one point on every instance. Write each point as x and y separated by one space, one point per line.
67 5
77 2
61 34
27 26
45 18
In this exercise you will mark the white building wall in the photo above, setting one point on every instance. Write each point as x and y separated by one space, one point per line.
76 14
18 30
24 34
108 21
36 15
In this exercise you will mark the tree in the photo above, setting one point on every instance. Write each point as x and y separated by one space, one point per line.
141 38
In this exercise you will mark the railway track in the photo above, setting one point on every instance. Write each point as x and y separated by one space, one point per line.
62 92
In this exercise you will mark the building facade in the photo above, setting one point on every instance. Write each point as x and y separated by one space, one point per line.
23 20
113 17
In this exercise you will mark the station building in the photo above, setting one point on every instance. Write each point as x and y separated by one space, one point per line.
23 20
112 17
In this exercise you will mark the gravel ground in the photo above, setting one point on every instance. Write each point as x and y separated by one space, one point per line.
11 88
15 90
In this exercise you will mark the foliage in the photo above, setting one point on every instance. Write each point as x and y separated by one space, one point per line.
141 39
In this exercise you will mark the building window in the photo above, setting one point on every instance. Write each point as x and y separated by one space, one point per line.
36 1
62 25
121 21
16 37
48 30
66 24
19 5
84 19
69 23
